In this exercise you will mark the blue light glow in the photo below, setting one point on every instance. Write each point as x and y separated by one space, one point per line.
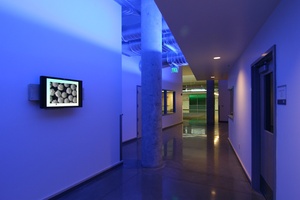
80 18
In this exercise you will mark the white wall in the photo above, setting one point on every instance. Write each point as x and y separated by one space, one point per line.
44 152
281 29
131 77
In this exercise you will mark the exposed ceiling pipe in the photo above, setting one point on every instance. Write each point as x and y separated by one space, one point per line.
134 33
135 47
168 58
131 37
128 8
171 53
171 58
132 48
168 45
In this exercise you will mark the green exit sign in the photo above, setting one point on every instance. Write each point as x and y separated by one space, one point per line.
174 69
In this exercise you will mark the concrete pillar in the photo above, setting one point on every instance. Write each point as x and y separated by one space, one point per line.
151 84
210 102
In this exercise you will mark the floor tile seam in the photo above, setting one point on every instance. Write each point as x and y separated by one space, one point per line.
184 167
226 177
181 167
234 165
209 174
222 177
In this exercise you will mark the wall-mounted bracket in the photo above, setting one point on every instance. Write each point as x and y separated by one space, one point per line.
33 92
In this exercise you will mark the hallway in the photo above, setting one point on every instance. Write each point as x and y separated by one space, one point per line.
198 164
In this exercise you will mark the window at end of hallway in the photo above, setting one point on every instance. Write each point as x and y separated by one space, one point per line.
168 102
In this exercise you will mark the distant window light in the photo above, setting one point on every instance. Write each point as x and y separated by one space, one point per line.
168 102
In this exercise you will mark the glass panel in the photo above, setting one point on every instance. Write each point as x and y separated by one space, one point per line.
197 103
269 103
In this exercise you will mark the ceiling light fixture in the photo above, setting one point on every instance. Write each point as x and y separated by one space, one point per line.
212 77
194 90
217 58
264 54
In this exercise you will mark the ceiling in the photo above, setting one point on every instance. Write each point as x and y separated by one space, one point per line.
202 29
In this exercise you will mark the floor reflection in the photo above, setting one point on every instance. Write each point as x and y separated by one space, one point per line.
172 142
194 128
199 164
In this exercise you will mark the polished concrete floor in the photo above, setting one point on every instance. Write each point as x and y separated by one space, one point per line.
198 164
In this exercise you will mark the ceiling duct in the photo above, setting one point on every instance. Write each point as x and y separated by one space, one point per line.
131 35
129 7
133 32
173 58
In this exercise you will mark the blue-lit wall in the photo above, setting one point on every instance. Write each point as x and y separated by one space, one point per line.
131 78
43 152
281 29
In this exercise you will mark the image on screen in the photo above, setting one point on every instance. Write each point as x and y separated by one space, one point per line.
60 92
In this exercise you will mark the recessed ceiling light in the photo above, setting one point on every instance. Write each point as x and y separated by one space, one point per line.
217 58
264 54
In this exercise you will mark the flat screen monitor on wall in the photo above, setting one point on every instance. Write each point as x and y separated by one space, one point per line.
60 92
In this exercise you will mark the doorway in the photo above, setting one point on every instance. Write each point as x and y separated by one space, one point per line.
263 124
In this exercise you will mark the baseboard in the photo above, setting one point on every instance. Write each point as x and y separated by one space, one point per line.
84 181
240 161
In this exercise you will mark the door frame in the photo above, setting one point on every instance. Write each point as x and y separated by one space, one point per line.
138 107
256 117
